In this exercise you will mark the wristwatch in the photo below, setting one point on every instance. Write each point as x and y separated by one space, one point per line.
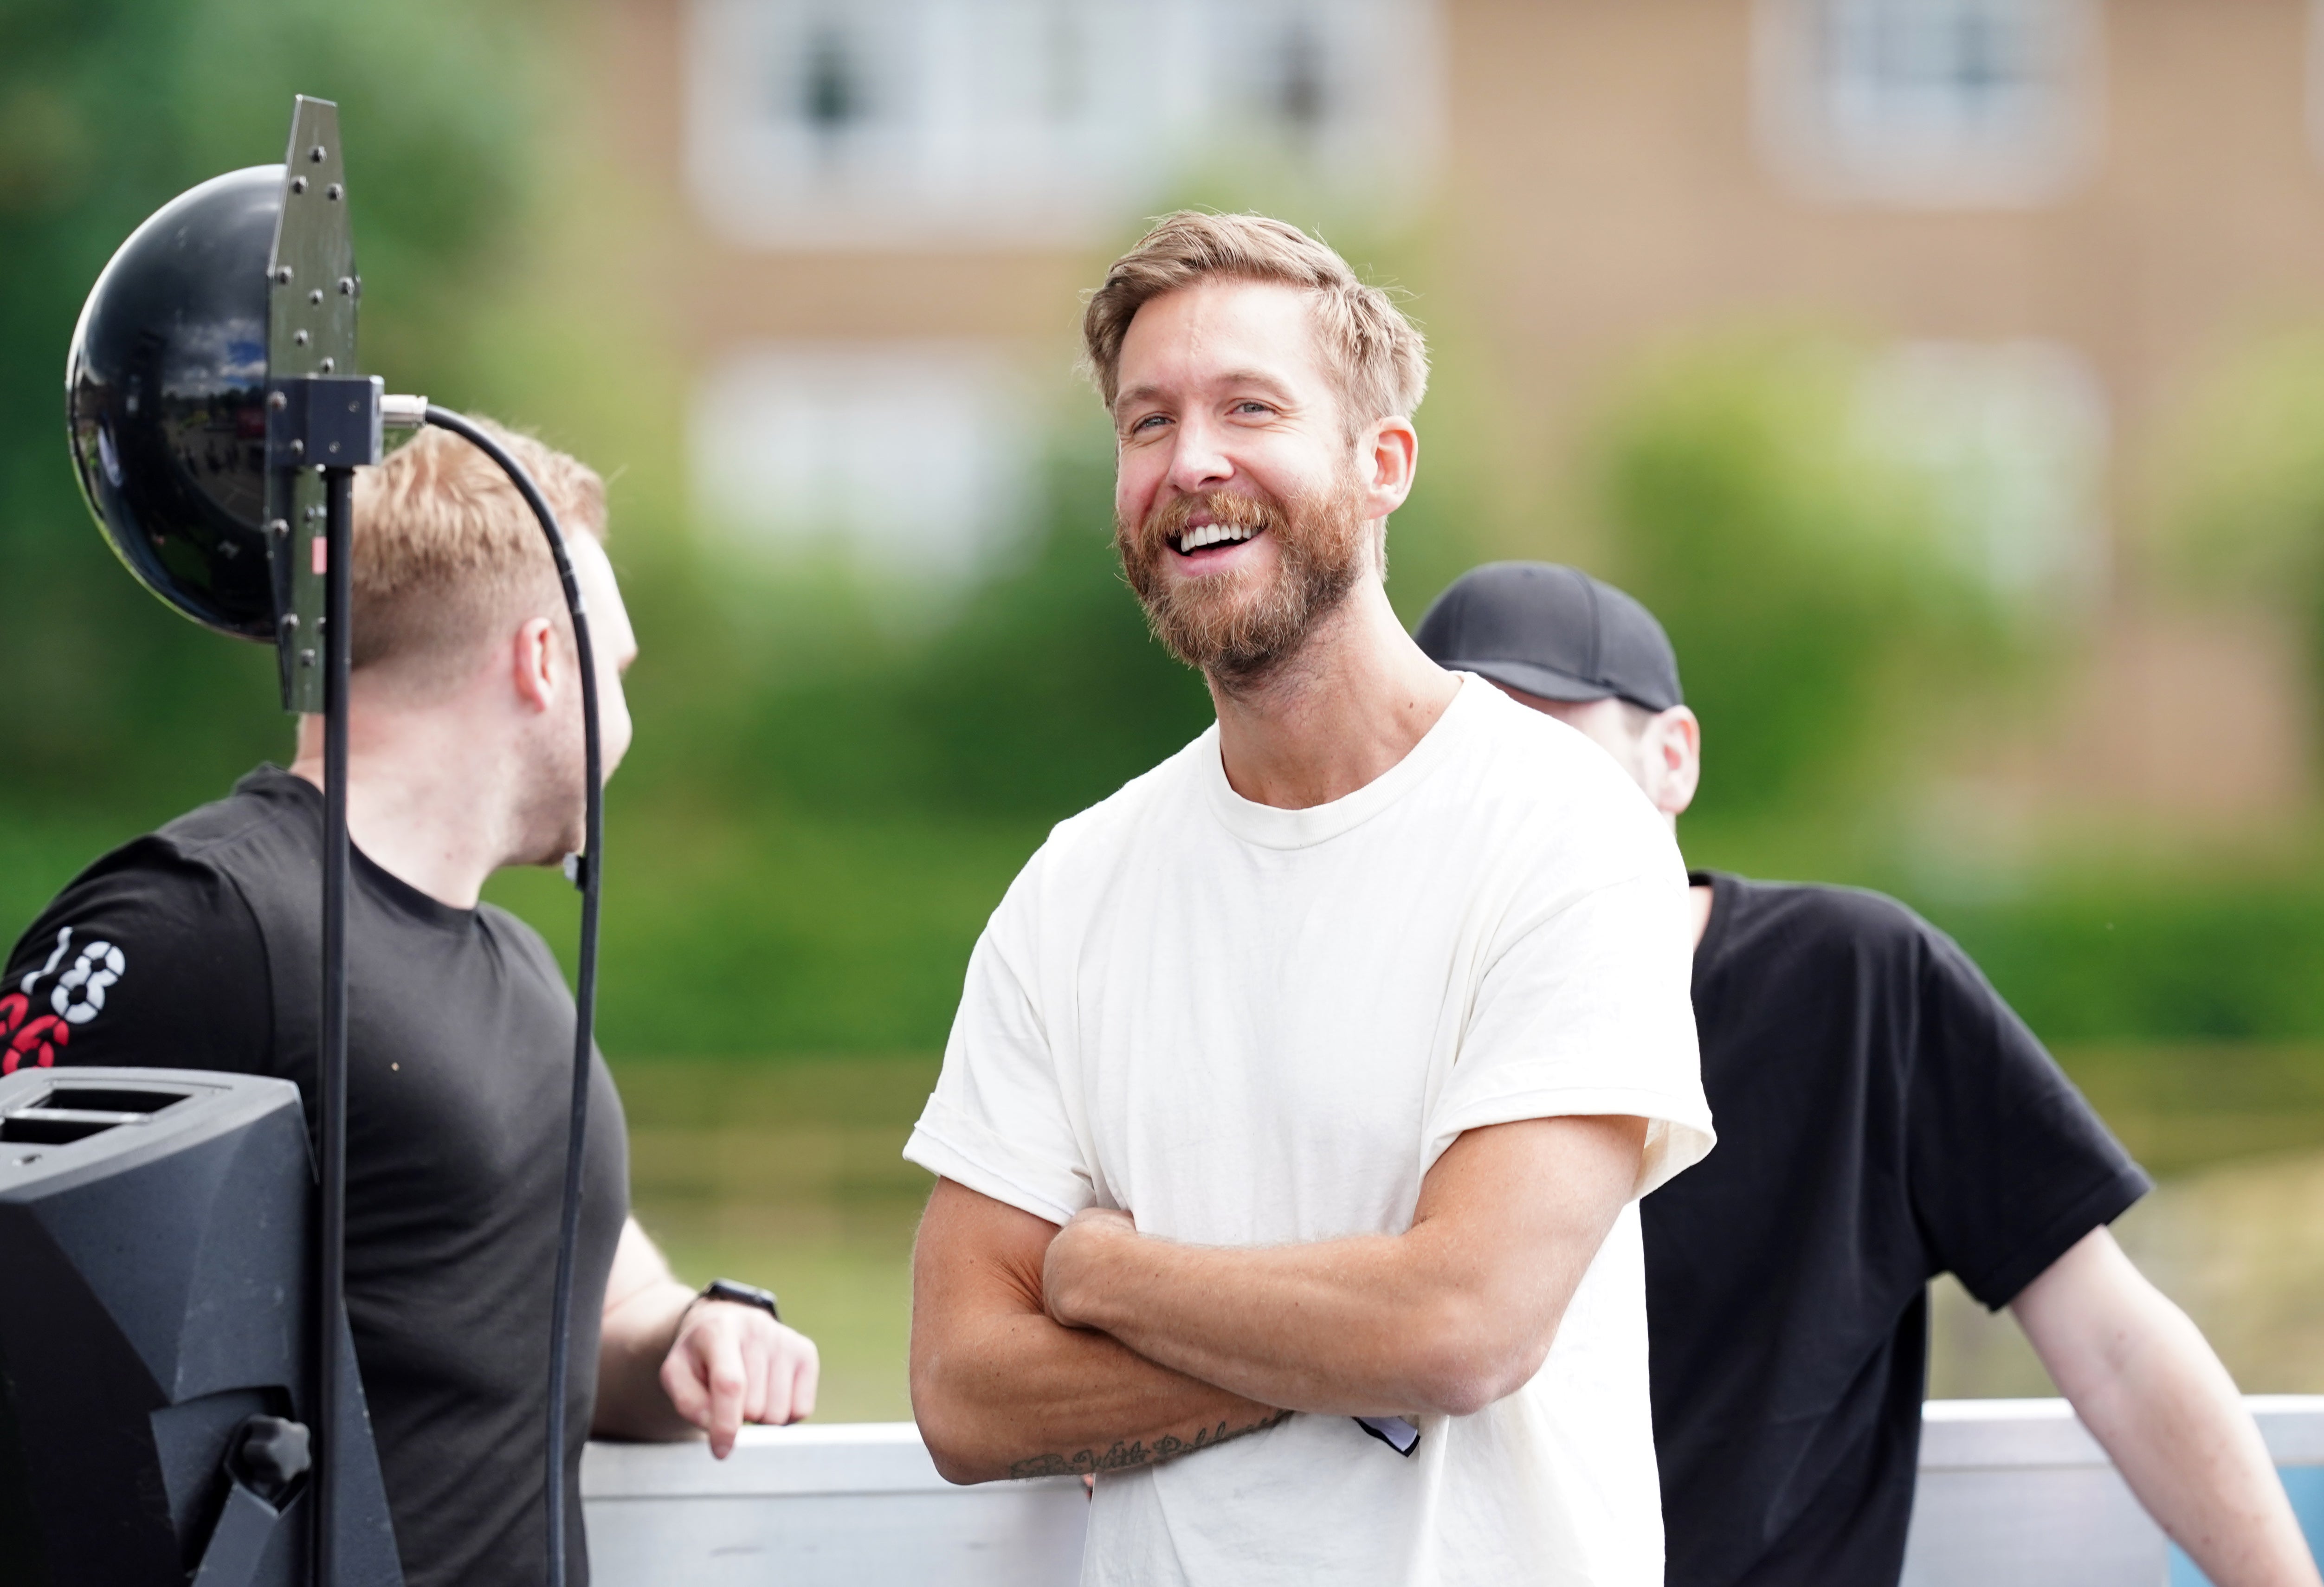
746 1295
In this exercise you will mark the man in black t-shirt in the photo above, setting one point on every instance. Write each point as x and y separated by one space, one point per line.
197 947
1883 1118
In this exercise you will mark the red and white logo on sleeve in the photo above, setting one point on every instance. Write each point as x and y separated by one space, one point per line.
73 997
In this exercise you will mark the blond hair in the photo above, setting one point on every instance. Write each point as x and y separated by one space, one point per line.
446 553
1378 358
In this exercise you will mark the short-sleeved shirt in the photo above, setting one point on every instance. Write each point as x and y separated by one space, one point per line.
199 947
1249 1026
1883 1118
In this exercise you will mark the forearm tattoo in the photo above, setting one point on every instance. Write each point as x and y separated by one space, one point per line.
1122 1456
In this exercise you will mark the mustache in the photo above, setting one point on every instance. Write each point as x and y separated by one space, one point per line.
1232 508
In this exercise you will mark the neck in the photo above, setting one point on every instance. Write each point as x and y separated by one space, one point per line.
1353 701
424 803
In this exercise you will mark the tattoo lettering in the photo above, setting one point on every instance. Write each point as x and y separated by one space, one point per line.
1122 1456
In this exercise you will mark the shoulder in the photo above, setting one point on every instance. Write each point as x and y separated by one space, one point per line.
156 938
266 809
1073 868
180 886
1516 757
1549 800
1826 931
1093 840
217 862
522 942
1819 910
150 886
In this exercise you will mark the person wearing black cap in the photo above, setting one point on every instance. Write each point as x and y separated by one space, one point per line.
1883 1117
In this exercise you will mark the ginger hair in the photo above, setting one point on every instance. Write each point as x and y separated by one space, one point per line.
447 556
1377 357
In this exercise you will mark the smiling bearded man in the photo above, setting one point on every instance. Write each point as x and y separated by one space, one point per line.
1301 1093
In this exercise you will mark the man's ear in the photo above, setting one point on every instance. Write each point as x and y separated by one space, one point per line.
1387 460
1672 754
536 669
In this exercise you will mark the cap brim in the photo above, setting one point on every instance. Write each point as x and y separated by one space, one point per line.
1536 680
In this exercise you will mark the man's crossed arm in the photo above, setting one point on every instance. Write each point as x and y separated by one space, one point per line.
1037 1350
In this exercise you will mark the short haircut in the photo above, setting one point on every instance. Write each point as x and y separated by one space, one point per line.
1378 358
448 555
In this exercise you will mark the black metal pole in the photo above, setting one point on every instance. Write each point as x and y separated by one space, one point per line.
331 1082
584 991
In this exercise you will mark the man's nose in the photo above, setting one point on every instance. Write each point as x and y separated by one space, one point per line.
1199 460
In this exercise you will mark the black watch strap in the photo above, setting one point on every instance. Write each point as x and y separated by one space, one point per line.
741 1294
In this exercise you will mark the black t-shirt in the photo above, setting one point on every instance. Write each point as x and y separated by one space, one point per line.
1883 1118
199 947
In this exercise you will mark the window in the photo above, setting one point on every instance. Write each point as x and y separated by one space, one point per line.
913 457
996 123
2011 438
1934 102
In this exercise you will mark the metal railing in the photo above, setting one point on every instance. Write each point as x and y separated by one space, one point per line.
2011 1491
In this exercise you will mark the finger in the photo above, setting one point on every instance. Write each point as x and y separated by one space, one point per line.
683 1380
806 1379
761 1361
778 1411
790 1377
727 1381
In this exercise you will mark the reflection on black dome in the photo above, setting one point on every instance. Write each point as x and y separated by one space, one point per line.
167 386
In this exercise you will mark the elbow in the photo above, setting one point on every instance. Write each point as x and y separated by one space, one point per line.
1464 1391
957 1465
1463 1395
1470 1355
958 1458
951 1434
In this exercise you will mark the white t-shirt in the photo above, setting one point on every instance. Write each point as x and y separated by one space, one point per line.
1247 1025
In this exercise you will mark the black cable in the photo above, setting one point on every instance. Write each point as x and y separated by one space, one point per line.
331 1082
584 996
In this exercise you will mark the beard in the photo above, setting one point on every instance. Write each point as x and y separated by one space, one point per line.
1237 628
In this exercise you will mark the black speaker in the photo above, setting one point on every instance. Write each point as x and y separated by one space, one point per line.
157 1382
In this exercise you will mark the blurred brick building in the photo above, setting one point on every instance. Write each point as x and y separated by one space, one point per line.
2062 212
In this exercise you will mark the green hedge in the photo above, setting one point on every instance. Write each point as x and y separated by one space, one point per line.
2167 965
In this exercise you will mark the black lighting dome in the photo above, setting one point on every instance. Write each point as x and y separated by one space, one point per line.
166 394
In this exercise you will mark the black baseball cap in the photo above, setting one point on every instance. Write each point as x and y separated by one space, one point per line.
1553 632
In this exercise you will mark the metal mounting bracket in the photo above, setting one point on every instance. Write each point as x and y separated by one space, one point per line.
312 292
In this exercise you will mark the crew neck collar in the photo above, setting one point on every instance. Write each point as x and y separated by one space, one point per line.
1272 828
370 875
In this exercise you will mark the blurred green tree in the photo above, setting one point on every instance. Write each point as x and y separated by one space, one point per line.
1802 569
2244 483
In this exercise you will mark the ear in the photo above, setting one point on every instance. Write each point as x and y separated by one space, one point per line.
1387 456
536 669
1671 753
